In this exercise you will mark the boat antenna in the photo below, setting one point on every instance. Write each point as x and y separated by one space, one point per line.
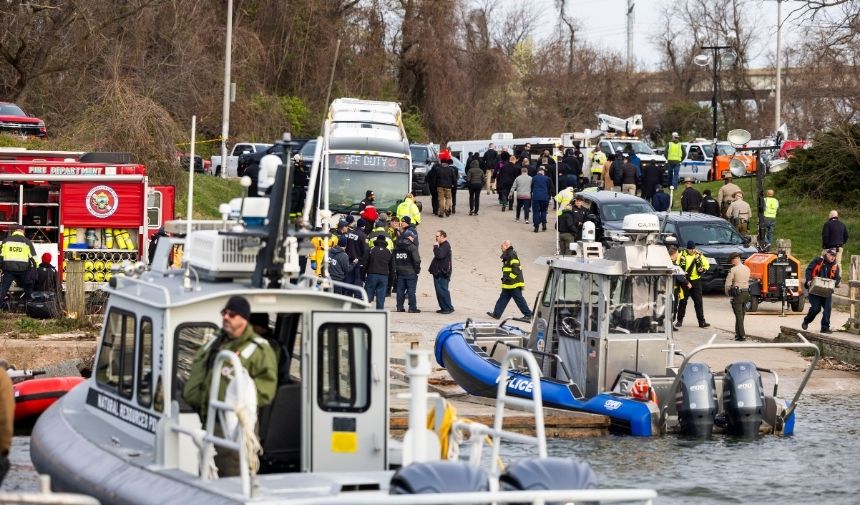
271 257
186 282
330 83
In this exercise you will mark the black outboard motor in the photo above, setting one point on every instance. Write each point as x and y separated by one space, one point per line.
696 401
439 477
743 399
547 474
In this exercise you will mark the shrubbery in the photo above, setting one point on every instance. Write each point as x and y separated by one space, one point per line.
828 170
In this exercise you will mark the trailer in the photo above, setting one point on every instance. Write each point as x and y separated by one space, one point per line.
100 212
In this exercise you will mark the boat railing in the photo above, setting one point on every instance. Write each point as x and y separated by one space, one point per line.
543 354
206 440
710 345
312 281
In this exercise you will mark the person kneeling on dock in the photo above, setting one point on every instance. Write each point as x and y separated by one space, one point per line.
255 354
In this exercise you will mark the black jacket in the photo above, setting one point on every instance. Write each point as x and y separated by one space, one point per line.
356 244
338 263
616 171
630 176
567 222
834 233
380 261
46 278
445 177
407 261
507 174
491 158
441 265
691 200
710 206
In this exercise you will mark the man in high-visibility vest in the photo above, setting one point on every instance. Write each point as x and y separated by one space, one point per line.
408 208
771 207
18 257
674 155
694 264
598 158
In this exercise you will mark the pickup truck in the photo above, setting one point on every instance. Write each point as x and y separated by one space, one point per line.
233 158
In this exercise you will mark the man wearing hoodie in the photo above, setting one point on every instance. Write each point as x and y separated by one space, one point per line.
521 191
407 264
474 182
507 174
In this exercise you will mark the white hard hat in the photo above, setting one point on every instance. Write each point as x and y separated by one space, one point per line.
674 134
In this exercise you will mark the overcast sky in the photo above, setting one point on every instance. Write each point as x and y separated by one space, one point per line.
604 24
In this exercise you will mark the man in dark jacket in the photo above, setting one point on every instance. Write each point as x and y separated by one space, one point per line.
407 263
356 249
512 285
474 183
440 269
46 275
445 183
455 174
630 176
709 205
691 199
380 268
834 235
339 265
369 199
490 160
507 174
616 171
660 200
827 267
432 177
542 188
566 230
651 176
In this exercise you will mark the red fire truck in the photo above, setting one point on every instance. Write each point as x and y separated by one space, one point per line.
99 206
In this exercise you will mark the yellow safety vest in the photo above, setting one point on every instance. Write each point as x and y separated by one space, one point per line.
17 253
771 206
564 197
674 152
687 261
408 208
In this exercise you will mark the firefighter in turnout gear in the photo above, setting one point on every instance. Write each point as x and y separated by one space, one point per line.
694 264
18 258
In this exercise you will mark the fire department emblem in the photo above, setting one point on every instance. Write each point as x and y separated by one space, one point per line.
102 201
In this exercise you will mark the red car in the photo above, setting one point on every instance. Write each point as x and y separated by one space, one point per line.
17 122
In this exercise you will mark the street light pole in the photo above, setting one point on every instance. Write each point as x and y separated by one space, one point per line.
225 105
778 104
715 53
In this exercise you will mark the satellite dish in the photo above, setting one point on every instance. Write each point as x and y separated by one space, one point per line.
738 137
737 167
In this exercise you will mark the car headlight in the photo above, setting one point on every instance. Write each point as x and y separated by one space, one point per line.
712 261
40 124
419 169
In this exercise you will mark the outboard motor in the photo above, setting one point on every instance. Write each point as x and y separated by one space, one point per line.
696 401
547 474
439 477
743 399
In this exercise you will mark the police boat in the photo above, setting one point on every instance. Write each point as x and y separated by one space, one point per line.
602 334
125 435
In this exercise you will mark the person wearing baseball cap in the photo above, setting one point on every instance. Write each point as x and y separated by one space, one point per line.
694 264
825 266
674 156
256 356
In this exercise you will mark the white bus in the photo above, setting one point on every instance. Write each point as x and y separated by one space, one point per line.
365 148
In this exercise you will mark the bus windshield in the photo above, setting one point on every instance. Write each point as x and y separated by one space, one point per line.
352 175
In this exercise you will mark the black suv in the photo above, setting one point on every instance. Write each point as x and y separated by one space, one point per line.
610 208
423 158
715 237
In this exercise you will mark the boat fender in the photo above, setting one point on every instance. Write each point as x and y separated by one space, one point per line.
434 477
547 474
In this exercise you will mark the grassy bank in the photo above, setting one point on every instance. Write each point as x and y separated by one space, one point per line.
209 193
799 219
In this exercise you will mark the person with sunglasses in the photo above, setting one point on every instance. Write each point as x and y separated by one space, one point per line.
256 355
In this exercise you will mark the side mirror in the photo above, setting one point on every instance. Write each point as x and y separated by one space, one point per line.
670 239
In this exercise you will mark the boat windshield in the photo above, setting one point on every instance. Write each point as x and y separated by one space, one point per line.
716 233
351 175
637 304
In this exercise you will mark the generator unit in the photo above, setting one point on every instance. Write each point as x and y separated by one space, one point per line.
775 278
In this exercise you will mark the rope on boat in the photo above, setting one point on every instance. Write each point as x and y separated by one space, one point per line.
450 439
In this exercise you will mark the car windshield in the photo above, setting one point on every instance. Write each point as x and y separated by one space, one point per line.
710 233
9 109
638 146
617 211
420 154
307 151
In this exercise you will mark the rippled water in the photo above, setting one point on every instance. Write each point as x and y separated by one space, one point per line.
820 464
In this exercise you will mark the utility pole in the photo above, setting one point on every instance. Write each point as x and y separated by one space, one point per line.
630 20
778 105
225 105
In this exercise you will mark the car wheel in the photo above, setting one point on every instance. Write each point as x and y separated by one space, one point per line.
751 305
798 303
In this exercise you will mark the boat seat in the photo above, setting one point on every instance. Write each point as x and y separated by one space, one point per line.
281 430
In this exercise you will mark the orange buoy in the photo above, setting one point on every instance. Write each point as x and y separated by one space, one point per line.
641 390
